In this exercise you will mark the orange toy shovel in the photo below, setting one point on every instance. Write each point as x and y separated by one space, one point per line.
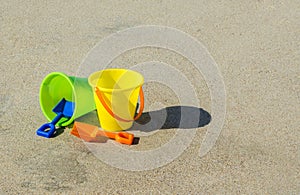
90 133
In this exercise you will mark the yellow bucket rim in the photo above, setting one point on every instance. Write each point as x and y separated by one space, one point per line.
91 80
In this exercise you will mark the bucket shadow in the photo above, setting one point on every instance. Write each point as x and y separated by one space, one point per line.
184 117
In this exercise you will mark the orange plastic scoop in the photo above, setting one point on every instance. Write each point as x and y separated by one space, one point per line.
90 133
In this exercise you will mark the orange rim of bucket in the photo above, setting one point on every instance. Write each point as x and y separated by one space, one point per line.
107 108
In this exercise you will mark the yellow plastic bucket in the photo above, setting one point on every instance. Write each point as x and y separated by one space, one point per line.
116 93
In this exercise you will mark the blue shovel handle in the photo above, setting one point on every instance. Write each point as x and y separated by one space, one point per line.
51 126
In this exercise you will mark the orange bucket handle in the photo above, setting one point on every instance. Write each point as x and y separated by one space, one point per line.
107 108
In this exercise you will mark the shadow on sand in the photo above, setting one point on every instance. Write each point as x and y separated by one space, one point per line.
184 117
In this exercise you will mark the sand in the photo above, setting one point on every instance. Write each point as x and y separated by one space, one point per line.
256 47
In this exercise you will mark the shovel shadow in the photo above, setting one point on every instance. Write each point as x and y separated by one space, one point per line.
184 117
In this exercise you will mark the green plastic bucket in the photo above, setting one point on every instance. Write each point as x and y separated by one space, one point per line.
56 86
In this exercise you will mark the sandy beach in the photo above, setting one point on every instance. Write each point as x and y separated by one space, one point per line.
255 45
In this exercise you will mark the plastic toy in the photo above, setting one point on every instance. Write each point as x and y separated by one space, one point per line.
56 86
90 133
116 93
64 109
